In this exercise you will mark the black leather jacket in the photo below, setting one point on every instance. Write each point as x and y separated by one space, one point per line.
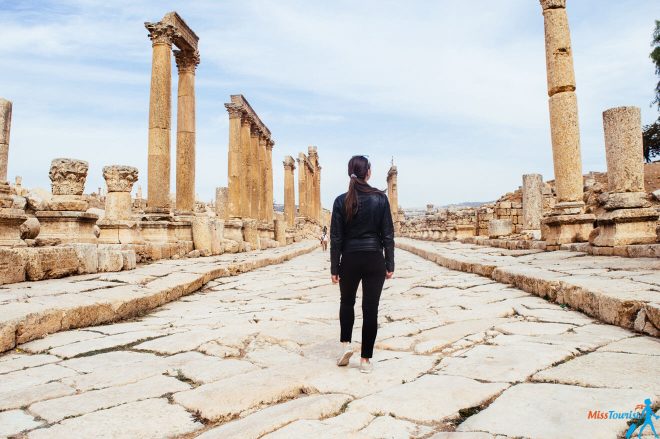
371 229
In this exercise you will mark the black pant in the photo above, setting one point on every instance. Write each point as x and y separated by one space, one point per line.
368 267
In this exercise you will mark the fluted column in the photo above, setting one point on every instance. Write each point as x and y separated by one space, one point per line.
269 180
158 167
245 167
262 192
186 62
254 172
234 162
5 128
289 191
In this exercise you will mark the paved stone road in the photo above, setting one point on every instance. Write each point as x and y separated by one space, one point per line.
458 356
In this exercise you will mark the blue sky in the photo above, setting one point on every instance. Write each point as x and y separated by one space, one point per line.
455 90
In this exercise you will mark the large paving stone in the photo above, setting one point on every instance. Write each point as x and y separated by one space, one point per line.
533 328
12 363
635 345
305 428
13 422
273 417
24 396
608 369
431 398
103 343
389 427
227 398
70 406
150 418
551 411
22 379
510 362
204 369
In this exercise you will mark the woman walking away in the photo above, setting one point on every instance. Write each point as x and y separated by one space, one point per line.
324 238
360 231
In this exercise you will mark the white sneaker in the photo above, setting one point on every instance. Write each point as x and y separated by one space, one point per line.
345 357
366 367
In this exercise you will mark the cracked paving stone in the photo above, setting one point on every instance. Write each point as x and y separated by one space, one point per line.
13 422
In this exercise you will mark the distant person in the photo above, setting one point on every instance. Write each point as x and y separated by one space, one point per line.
360 232
324 238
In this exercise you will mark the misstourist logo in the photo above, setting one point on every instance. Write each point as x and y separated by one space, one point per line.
641 418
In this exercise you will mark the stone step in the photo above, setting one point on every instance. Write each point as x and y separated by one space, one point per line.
31 310
628 297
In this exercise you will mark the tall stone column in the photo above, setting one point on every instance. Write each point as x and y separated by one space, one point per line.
393 194
262 174
302 185
234 161
269 180
289 191
319 207
568 223
158 184
532 202
629 218
254 172
186 61
5 128
221 200
245 167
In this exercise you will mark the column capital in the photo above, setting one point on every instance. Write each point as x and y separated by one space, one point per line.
270 143
234 110
186 60
254 129
161 33
120 178
289 163
553 4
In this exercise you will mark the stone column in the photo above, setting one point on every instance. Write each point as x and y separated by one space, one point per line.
262 174
629 218
186 61
269 180
280 228
568 223
158 184
254 172
289 191
393 192
221 197
120 180
245 167
5 128
319 207
532 202
234 161
302 185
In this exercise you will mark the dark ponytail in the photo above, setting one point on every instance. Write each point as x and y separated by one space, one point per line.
358 167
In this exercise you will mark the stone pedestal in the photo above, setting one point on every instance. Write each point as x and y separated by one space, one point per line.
221 199
565 229
118 225
499 227
10 223
64 227
251 233
234 230
628 219
202 232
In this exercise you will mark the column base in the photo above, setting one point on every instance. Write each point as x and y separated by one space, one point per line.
251 233
565 229
67 227
568 208
120 232
627 226
10 223
155 231
234 230
180 230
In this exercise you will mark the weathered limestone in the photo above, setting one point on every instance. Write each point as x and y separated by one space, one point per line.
289 191
315 201
10 218
303 196
67 221
269 197
254 173
221 202
628 219
499 227
160 109
246 182
118 225
251 233
234 161
532 203
280 228
186 61
393 195
568 222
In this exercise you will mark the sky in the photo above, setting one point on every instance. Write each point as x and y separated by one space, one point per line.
454 90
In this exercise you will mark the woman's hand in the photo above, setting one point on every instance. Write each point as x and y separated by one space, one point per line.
335 278
389 274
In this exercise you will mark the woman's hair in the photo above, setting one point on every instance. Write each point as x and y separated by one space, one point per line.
358 167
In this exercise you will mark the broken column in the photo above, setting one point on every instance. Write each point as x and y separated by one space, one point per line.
67 221
629 218
186 61
118 226
221 197
10 218
532 204
393 194
568 222
160 103
289 191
